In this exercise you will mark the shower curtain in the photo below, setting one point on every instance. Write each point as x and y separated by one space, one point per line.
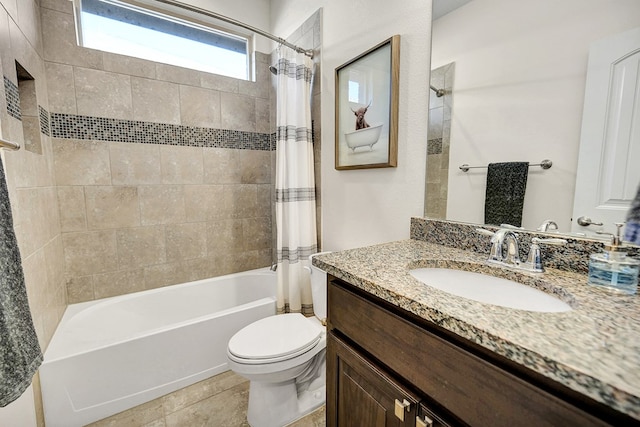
295 185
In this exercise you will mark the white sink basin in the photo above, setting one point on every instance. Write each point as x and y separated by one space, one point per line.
489 289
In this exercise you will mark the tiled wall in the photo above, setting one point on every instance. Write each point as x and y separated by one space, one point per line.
30 176
438 142
163 173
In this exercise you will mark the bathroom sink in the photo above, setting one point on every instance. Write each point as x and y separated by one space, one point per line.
489 289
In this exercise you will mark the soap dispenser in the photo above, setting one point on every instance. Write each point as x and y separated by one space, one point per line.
613 268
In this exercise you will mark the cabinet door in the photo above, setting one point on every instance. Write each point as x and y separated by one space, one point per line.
361 394
428 418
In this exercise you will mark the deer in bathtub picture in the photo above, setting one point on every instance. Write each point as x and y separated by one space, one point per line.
364 134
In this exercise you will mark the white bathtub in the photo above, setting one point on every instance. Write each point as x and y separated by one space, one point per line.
116 353
363 137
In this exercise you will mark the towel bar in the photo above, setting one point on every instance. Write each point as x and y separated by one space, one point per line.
545 164
9 144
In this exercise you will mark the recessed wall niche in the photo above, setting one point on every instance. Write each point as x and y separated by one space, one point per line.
29 114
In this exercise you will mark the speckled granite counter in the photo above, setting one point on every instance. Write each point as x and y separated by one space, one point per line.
593 349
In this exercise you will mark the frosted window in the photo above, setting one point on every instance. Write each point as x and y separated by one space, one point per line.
117 27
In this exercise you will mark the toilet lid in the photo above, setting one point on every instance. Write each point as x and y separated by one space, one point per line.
275 337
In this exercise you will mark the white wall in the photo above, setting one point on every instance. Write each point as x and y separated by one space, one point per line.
362 207
518 94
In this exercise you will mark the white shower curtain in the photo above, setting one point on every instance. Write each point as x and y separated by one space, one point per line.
295 184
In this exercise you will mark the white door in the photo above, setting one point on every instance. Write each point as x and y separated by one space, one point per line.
608 172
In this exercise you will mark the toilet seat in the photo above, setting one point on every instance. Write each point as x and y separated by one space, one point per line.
274 339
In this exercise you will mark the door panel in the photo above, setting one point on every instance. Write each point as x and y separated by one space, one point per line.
608 174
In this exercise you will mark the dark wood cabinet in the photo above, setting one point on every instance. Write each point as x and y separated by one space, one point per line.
368 396
382 360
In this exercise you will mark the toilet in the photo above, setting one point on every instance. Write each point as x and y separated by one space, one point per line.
283 357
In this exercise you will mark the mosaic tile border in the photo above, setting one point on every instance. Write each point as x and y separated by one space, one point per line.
70 126
12 95
44 121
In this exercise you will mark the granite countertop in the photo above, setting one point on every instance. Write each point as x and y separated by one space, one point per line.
593 349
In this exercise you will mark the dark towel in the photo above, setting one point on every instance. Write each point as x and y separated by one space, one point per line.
506 184
632 227
20 354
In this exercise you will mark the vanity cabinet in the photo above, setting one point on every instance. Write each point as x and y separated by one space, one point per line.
388 367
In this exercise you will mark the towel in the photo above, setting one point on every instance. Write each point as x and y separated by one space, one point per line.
506 184
632 227
20 354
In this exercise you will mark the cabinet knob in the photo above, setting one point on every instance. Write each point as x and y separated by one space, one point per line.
424 422
401 408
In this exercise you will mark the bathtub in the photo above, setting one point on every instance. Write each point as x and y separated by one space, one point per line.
363 137
116 353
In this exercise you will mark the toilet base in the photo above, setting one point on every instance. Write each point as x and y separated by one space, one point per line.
276 405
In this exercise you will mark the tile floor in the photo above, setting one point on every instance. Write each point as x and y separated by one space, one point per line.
220 401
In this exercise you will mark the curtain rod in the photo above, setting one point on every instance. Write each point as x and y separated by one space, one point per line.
308 52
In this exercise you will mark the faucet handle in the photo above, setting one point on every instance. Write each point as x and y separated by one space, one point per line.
534 259
485 231
554 241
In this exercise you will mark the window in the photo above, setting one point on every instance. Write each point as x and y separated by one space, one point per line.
122 27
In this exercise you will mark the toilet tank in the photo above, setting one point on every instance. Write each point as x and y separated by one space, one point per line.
318 288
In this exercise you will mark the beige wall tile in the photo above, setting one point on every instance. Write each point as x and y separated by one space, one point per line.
218 82
186 241
203 268
256 166
73 214
181 165
129 65
78 162
162 204
113 90
242 200
155 101
25 53
180 75
90 252
33 213
6 56
29 23
199 107
224 237
140 247
133 164
59 5
171 273
204 203
256 233
263 115
79 289
237 112
59 41
259 88
118 283
112 207
60 84
222 166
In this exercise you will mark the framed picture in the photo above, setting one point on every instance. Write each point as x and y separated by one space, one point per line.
367 108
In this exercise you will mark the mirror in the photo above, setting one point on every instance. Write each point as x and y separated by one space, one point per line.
514 75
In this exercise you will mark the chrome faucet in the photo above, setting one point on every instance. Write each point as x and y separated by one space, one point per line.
498 240
505 250
547 225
